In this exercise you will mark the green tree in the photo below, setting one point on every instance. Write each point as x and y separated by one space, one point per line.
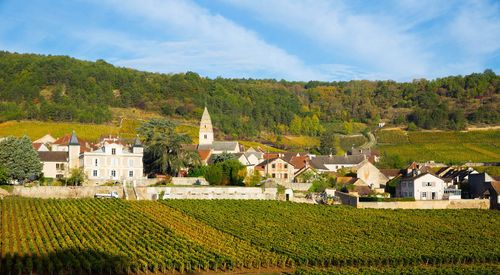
76 178
4 175
253 179
164 150
327 143
19 158
223 157
214 175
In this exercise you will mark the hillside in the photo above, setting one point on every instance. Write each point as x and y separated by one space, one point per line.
441 146
59 88
117 236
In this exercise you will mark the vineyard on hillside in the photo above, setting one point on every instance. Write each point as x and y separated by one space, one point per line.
88 236
447 147
323 236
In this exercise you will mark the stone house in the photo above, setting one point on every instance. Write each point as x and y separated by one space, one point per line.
371 175
330 163
277 169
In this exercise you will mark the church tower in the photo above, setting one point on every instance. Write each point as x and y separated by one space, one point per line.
74 151
206 130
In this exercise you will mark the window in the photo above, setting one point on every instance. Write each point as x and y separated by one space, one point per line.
411 194
424 195
273 175
94 173
113 173
60 166
425 184
131 163
205 136
273 165
286 166
96 162
114 162
130 174
113 151
286 176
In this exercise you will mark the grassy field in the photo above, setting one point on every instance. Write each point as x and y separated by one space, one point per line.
85 236
447 147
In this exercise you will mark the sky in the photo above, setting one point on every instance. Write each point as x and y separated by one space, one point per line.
298 40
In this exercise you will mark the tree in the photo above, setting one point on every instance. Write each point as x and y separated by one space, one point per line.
164 151
76 178
327 144
19 158
223 157
4 175
253 179
214 175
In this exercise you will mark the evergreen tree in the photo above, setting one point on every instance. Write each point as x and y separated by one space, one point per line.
20 159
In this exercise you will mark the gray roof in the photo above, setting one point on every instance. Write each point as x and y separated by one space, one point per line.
73 140
53 156
137 142
319 162
219 146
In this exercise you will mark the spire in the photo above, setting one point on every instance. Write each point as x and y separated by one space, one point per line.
206 122
137 142
73 140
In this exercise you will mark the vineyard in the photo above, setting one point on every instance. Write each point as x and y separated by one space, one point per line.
447 147
324 236
115 236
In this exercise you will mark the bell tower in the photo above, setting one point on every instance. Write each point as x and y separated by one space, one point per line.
206 135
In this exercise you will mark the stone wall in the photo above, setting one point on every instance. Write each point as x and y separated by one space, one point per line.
347 199
207 193
65 192
296 186
189 181
430 204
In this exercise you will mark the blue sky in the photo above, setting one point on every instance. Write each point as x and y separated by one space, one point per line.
293 40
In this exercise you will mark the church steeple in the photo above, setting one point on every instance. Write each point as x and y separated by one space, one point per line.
206 135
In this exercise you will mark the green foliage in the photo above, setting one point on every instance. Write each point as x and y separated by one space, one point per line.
4 175
76 178
227 172
60 88
322 182
198 171
392 161
223 157
328 143
19 159
253 179
163 148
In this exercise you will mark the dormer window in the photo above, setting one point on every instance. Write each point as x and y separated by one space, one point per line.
113 151
205 136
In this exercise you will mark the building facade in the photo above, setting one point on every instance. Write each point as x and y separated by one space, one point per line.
114 161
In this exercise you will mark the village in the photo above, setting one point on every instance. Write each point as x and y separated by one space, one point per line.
116 165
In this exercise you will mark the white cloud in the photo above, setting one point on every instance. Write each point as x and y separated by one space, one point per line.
206 43
476 28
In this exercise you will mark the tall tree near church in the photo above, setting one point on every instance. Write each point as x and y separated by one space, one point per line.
163 148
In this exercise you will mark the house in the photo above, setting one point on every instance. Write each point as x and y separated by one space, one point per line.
277 169
453 175
47 139
331 163
249 159
206 138
297 160
370 174
494 192
38 146
372 155
305 175
391 173
478 184
421 186
114 160
58 163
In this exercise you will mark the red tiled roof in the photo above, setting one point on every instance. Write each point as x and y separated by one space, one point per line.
299 162
37 145
204 154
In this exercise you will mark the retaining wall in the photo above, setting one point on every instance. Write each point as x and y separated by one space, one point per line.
207 193
65 192
430 204
296 186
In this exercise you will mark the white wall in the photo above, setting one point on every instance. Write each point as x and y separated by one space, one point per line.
208 193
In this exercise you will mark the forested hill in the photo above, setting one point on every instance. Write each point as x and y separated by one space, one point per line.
63 88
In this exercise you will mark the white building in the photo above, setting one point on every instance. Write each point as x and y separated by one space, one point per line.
114 161
206 140
421 186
